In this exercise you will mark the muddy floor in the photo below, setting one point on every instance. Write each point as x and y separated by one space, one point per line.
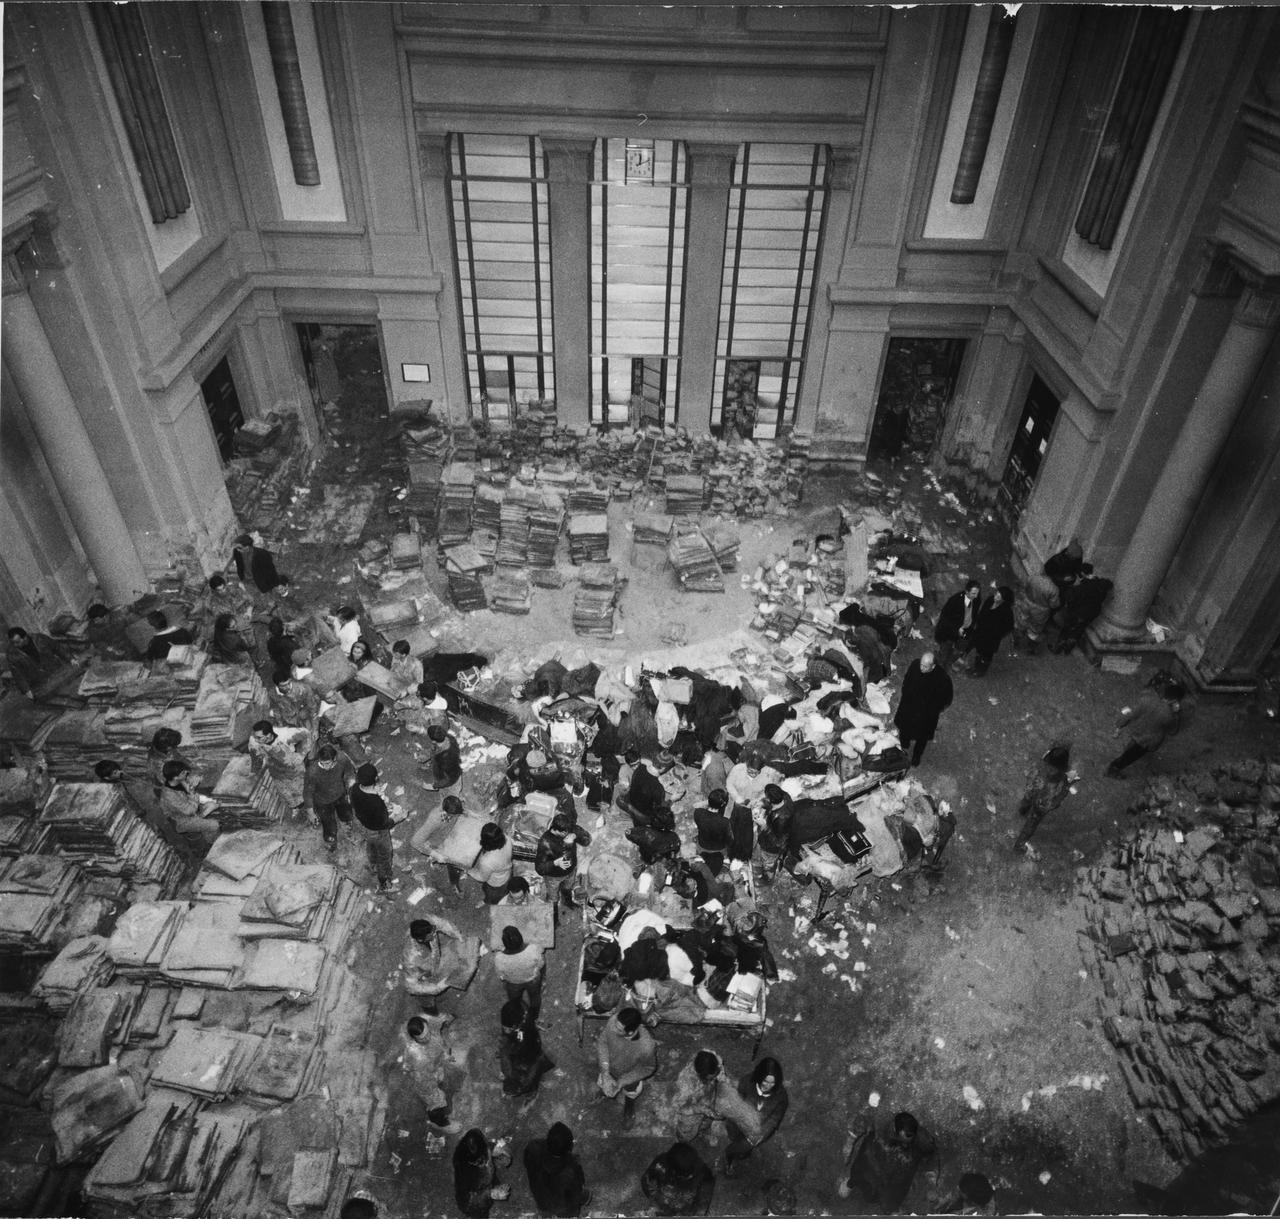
963 1000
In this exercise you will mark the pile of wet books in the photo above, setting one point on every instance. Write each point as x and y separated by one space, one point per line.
422 497
653 528
595 600
587 495
724 541
90 823
245 798
513 527
406 551
512 593
486 512
589 538
457 492
463 566
684 494
36 891
695 563
546 518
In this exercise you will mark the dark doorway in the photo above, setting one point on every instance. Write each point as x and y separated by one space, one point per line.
343 363
916 389
219 390
1029 446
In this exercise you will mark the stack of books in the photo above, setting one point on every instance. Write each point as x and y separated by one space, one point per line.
589 538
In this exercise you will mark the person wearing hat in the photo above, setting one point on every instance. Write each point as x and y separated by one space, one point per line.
1047 786
556 859
678 1182
646 798
374 819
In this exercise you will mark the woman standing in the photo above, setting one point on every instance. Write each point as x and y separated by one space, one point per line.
520 1051
475 1175
993 623
492 867
762 1089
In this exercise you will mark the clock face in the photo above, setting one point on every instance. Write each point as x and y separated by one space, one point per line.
639 163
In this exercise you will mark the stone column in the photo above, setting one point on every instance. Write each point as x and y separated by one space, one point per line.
710 176
1217 403
842 175
569 219
76 470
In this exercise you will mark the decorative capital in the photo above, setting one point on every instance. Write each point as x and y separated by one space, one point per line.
1258 307
842 167
15 279
433 154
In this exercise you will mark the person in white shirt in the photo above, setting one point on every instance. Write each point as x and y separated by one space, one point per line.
521 968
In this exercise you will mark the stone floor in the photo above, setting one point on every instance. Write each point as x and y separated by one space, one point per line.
973 999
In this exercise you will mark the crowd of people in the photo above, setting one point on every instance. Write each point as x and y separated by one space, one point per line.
636 755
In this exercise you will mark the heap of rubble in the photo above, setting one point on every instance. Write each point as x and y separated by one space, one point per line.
1183 929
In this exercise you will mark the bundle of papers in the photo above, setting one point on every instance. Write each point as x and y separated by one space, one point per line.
463 565
653 528
142 936
457 488
594 602
35 892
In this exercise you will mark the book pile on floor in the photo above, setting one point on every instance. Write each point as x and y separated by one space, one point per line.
513 527
422 496
464 441
593 603
512 593
589 538
684 494
406 551
36 893
391 616
588 496
91 823
653 528
142 937
231 697
546 518
22 794
486 513
144 1175
75 741
458 485
103 678
724 542
463 566
82 965
97 1020
695 564
246 799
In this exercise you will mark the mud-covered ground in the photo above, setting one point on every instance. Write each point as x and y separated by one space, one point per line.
973 1009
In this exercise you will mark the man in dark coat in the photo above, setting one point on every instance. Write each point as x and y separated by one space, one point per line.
556 859
1067 567
1082 603
955 623
926 694
556 1179
993 622
254 563
678 1182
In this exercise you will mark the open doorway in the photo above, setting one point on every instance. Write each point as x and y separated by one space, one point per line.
1030 443
916 389
223 403
343 364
